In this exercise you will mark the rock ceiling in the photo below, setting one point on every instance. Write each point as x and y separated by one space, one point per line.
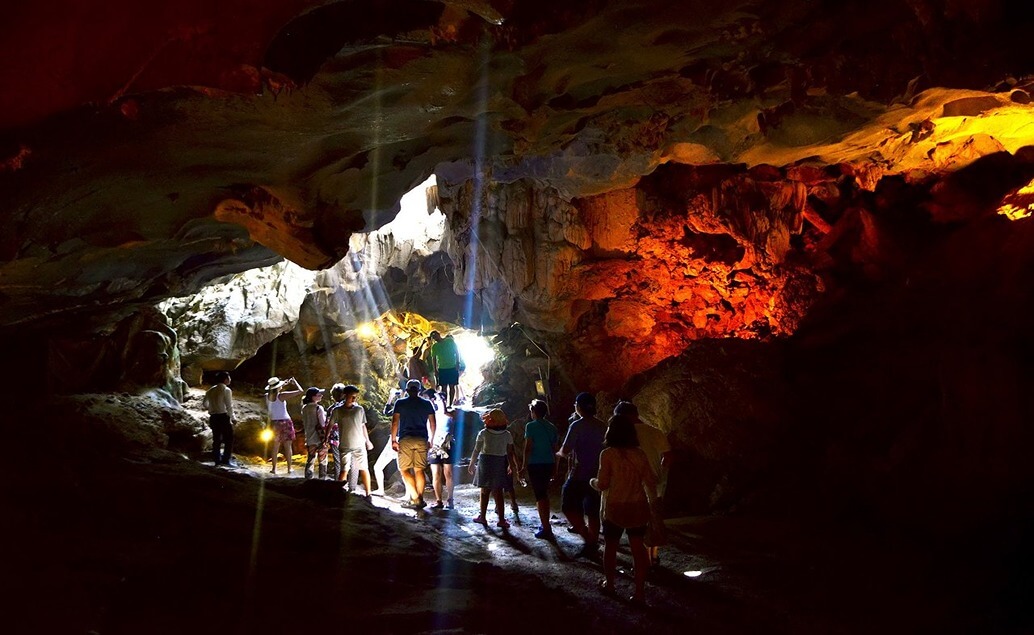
148 149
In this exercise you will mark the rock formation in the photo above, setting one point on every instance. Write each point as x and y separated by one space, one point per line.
630 181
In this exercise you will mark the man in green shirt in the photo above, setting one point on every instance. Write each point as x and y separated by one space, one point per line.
445 360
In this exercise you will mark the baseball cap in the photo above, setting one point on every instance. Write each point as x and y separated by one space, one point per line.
585 399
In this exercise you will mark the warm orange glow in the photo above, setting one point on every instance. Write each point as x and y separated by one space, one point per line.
1019 204
266 435
366 330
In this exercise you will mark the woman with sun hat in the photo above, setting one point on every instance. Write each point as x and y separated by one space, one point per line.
283 426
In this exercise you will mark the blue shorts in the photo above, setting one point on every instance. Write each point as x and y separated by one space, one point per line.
579 496
448 376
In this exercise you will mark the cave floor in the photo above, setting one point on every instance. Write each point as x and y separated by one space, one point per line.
160 543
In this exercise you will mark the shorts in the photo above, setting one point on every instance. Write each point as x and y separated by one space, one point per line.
283 430
412 453
448 460
538 477
579 495
448 376
360 459
613 532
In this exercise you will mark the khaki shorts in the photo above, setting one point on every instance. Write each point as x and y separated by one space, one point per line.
412 453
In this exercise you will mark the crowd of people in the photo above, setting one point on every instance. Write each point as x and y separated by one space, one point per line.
614 468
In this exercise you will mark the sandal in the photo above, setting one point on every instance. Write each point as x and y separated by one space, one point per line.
480 520
503 523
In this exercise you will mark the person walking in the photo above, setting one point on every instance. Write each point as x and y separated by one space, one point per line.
314 422
350 418
412 428
219 401
582 445
283 426
494 457
539 467
655 444
629 490
441 456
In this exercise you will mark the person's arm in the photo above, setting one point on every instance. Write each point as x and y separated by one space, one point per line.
565 449
602 480
394 438
511 465
206 402
229 406
431 426
478 444
528 445
284 395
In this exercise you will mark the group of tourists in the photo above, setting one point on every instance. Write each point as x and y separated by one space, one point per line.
613 478
612 481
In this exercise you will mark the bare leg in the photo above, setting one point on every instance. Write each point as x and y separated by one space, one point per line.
436 482
288 453
610 560
641 561
363 474
447 473
407 478
419 484
485 493
543 507
577 521
592 531
500 506
386 457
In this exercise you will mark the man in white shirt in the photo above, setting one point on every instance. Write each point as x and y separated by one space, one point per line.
219 401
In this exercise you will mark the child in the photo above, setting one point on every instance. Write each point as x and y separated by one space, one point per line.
494 458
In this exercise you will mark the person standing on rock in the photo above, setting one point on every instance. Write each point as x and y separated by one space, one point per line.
655 444
583 444
350 418
445 360
314 421
540 445
412 429
219 402
283 426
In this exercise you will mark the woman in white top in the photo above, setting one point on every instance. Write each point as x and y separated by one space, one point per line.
493 455
283 426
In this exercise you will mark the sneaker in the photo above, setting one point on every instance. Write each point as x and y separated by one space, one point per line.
449 504
545 534
411 505
503 523
480 520
438 505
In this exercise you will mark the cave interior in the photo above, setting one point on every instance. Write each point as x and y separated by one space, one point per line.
796 234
